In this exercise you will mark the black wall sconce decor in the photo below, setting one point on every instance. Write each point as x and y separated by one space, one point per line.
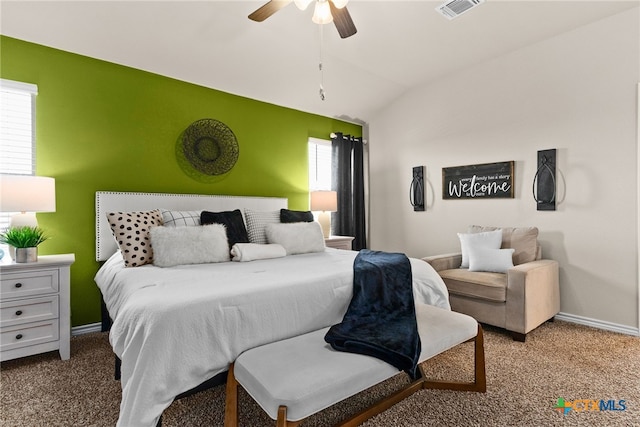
544 181
416 190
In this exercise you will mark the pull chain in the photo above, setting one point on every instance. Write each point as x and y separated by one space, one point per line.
322 94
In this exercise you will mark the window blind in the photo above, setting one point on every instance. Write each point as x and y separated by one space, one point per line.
17 131
319 164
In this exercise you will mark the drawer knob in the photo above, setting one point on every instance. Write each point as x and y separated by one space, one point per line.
18 285
18 313
19 336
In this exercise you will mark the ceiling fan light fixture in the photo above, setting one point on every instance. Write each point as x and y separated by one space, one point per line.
302 4
322 13
340 3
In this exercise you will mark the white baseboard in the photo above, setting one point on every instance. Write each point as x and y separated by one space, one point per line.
86 329
599 324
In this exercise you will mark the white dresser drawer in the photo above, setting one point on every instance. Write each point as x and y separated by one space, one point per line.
28 283
28 310
29 334
34 306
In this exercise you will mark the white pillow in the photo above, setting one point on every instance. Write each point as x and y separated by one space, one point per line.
243 252
493 260
189 245
180 218
297 237
256 222
486 239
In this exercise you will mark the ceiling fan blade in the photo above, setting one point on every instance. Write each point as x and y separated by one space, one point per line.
342 20
268 9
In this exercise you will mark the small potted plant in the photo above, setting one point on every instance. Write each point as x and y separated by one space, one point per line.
25 240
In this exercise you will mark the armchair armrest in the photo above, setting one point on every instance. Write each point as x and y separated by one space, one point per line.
533 294
444 261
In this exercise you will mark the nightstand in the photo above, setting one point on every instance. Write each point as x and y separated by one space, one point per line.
339 242
34 307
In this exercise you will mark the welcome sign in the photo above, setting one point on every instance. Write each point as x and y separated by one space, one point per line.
484 181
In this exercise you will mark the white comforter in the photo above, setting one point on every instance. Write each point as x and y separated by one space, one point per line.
175 327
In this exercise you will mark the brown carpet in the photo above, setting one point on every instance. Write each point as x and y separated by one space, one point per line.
524 382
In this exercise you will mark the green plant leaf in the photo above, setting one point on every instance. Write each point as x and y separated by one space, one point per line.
23 237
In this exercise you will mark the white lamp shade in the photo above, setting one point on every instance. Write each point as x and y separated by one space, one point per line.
322 13
27 193
302 4
324 201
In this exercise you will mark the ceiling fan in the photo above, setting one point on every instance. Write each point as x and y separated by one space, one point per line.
325 12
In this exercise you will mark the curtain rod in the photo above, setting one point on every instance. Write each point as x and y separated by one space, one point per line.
333 135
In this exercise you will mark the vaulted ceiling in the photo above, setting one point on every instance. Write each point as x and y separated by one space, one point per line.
399 44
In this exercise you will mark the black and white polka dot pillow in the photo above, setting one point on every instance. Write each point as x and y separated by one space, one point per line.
131 230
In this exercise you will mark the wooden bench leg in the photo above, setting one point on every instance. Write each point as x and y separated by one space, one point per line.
479 385
231 405
386 403
282 418
231 402
480 382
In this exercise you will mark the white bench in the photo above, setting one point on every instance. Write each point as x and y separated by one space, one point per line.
297 377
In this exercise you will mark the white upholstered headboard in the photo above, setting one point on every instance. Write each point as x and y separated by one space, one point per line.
109 201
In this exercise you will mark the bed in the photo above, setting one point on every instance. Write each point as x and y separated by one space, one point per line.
175 327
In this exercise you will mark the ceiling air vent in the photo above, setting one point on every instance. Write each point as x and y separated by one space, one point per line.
455 8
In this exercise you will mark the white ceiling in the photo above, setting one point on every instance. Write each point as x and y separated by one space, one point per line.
399 44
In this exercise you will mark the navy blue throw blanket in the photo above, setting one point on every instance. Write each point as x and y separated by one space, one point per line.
381 318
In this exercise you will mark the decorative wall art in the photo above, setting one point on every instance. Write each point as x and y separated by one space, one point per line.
544 181
483 181
207 149
416 190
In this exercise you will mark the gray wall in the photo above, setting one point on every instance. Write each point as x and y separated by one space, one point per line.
576 92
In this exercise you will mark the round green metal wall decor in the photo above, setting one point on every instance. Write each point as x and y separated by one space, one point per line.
207 148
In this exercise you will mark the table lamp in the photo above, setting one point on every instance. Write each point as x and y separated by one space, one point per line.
324 202
26 194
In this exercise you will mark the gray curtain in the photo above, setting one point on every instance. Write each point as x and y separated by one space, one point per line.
347 164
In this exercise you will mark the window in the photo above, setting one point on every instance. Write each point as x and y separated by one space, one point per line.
319 164
17 131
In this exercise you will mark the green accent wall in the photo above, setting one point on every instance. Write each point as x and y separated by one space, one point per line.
106 127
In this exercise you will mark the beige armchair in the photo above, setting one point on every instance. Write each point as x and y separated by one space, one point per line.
519 300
